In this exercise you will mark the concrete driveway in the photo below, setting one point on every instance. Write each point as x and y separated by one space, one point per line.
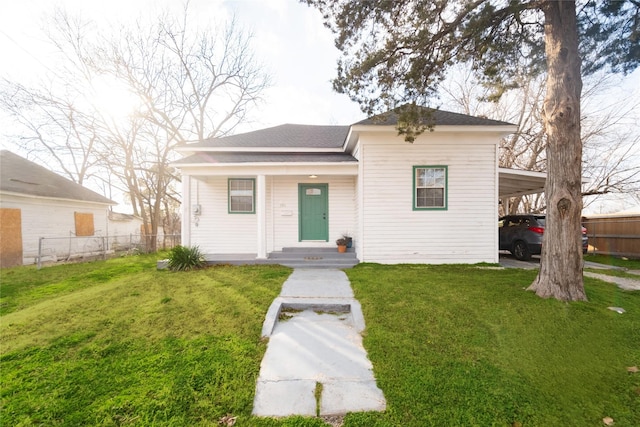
509 261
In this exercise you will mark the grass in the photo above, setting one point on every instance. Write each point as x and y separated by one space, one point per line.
631 264
25 286
318 396
455 345
118 343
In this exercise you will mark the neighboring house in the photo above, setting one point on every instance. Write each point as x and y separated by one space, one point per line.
127 231
431 201
35 203
124 230
121 224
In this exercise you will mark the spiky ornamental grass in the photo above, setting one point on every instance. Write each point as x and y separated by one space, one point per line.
185 258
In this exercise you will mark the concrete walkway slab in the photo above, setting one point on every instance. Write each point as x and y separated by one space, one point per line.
285 398
316 345
317 283
340 397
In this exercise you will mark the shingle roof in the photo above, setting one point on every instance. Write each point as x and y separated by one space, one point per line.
436 117
288 136
294 137
19 175
213 158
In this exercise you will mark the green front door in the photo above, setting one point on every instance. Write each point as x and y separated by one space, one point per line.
313 211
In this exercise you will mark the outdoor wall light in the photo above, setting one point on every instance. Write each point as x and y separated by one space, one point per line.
313 176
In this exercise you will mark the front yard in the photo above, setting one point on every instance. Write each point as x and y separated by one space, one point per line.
118 343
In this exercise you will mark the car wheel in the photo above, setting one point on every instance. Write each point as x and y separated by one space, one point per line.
521 251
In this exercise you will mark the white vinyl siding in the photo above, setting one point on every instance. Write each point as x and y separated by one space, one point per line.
127 227
394 232
54 219
221 232
218 231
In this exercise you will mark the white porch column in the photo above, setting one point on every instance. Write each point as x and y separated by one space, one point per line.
261 216
186 210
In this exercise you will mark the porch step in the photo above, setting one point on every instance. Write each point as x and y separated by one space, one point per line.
293 258
314 258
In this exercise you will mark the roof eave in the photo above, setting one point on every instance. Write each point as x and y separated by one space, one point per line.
65 199
507 129
350 141
264 149
274 164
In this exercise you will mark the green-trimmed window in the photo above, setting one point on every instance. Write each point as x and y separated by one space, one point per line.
242 195
430 187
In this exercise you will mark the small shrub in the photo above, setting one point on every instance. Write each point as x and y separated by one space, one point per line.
184 258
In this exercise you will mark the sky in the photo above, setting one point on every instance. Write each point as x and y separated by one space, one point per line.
288 38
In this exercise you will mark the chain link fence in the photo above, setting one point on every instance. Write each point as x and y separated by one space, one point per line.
74 248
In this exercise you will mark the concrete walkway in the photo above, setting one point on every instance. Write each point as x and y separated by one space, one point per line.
315 363
625 283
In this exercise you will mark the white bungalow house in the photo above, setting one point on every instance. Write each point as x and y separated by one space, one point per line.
37 203
256 194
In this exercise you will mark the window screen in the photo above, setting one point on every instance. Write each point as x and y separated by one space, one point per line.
430 187
241 195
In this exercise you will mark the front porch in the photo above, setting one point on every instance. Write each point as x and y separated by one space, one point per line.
292 257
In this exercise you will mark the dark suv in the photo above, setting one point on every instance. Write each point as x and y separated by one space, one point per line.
522 235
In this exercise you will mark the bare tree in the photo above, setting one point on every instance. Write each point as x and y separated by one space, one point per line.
190 84
58 123
611 138
611 153
194 84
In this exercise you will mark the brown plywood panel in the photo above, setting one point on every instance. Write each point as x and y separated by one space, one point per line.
10 237
84 224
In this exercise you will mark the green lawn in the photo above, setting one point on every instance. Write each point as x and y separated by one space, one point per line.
117 343
466 346
631 264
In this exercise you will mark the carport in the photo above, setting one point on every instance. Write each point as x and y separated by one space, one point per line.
516 183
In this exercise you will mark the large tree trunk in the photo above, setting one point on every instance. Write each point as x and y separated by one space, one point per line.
560 274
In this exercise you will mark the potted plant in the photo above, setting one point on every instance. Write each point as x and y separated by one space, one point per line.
342 244
349 240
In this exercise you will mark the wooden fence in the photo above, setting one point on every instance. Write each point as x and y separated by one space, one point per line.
617 235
